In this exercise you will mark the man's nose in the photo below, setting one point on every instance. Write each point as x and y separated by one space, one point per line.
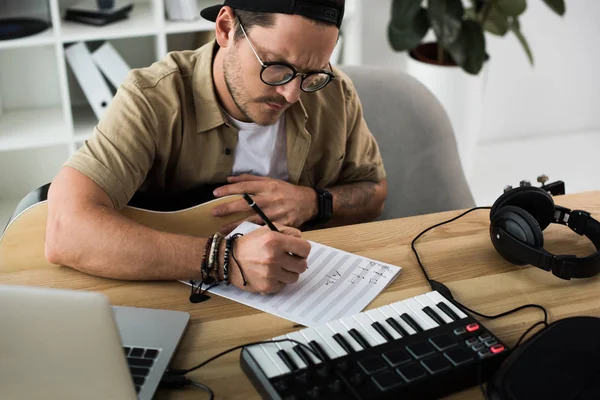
291 90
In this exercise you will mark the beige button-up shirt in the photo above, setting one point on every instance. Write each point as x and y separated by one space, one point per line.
164 132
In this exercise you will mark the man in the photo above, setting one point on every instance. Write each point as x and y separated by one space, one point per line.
259 110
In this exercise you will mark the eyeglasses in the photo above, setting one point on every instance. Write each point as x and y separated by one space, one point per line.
279 73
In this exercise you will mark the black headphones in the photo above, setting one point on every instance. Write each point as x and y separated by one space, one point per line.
518 218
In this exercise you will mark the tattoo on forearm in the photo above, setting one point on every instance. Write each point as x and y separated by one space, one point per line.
356 196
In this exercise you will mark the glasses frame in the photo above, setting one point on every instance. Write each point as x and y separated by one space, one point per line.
304 75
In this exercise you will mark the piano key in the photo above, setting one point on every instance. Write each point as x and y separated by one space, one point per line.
382 331
342 342
318 349
365 322
288 348
356 335
264 361
378 316
425 301
438 298
299 338
303 355
367 335
313 337
416 309
327 337
409 317
338 328
285 357
397 327
390 312
434 316
271 350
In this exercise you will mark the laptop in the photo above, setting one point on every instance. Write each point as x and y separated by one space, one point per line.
63 344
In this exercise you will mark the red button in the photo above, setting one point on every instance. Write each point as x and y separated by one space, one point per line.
497 348
472 327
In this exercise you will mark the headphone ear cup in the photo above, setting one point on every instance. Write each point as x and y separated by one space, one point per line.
536 201
519 224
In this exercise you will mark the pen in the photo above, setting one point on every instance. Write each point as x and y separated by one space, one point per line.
260 213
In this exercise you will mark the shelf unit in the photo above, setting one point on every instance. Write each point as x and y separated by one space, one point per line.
44 115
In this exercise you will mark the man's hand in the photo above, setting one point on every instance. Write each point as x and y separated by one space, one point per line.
282 202
264 257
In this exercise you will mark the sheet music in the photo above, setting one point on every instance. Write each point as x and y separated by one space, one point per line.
336 284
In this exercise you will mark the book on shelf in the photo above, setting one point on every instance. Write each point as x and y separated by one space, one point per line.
88 12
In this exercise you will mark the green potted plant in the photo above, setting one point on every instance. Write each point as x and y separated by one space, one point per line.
452 67
459 31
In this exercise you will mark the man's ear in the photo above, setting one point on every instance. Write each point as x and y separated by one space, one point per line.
225 27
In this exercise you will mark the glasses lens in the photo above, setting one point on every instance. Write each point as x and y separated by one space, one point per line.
277 74
316 81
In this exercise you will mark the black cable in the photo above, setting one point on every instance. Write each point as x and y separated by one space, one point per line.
440 287
208 390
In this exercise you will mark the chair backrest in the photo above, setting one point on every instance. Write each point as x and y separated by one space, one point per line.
416 141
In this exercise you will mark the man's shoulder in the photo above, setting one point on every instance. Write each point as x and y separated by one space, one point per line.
171 70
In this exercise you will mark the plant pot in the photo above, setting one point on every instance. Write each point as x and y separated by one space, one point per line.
460 93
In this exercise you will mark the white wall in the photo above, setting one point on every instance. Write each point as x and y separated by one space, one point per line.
541 119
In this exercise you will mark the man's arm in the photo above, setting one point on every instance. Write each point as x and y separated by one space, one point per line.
357 202
85 232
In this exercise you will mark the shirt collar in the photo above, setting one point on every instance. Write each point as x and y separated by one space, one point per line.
208 112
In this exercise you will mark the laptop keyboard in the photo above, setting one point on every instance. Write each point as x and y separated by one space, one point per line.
140 362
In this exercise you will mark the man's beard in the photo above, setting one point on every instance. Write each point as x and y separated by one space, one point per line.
234 82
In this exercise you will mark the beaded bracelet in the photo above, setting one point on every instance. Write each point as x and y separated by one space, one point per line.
213 263
228 250
204 263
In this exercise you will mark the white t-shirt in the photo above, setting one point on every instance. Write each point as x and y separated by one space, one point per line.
261 150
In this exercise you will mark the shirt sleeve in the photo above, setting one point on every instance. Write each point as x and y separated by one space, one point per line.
362 161
121 151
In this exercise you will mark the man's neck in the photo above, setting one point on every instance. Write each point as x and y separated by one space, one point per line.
223 95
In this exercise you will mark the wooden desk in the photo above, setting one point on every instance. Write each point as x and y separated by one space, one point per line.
459 254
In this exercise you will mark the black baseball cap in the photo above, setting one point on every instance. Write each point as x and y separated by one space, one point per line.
324 10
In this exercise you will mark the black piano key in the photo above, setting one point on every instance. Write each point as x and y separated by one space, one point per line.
397 327
140 362
411 322
379 328
342 342
287 360
319 350
299 350
434 316
444 307
359 338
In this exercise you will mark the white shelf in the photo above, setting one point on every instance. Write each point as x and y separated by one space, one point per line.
197 25
84 122
41 39
141 22
31 128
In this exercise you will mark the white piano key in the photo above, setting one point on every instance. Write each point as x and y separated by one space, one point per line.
264 361
390 312
377 316
425 301
437 297
327 337
351 323
271 350
299 338
338 327
289 349
366 322
415 307
312 335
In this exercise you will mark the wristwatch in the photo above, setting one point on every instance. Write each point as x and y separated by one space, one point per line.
325 207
